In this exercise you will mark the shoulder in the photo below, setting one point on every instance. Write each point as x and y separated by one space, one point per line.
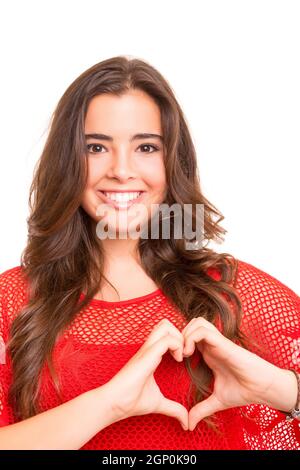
10 275
11 281
13 292
254 284
249 280
271 313
258 289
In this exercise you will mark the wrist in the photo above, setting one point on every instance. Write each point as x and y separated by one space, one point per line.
283 391
103 405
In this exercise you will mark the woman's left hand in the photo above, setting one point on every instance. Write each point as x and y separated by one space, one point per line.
240 376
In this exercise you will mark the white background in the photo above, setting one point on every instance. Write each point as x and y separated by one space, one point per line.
234 67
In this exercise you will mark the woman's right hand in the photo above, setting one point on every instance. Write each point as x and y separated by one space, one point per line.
133 390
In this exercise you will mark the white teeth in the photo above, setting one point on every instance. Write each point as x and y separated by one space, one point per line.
122 197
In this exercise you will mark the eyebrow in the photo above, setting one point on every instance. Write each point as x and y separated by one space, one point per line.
134 137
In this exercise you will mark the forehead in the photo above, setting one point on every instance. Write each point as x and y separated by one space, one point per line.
133 111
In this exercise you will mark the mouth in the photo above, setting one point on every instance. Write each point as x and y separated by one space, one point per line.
121 201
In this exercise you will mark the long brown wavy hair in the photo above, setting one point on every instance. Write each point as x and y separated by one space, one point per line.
63 257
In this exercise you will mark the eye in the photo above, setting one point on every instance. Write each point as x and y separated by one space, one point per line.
149 145
94 145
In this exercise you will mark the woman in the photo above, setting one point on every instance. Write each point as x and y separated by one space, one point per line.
113 342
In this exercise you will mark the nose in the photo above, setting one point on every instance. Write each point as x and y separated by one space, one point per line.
121 166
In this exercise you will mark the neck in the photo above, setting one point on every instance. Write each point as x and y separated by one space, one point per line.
116 250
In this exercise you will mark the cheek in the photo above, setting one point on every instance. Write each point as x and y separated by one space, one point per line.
95 171
156 175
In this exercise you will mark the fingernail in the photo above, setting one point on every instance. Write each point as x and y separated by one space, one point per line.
184 427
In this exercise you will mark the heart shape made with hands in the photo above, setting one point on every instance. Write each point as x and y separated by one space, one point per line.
195 331
240 376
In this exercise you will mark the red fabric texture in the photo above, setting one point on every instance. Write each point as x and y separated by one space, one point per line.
105 335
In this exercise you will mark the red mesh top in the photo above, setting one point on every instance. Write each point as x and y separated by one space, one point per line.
105 335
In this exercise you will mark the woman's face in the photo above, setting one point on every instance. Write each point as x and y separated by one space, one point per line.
120 162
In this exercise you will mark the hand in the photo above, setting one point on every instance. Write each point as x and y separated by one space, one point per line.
134 391
240 377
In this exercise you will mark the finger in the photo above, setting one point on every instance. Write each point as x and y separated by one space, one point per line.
187 326
160 330
201 333
165 326
152 355
203 409
175 410
195 323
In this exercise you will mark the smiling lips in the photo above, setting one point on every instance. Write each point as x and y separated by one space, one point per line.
121 200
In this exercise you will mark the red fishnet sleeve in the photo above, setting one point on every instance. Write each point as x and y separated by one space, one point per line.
12 297
272 319
5 412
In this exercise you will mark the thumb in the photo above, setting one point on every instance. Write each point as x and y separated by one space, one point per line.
202 410
175 410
